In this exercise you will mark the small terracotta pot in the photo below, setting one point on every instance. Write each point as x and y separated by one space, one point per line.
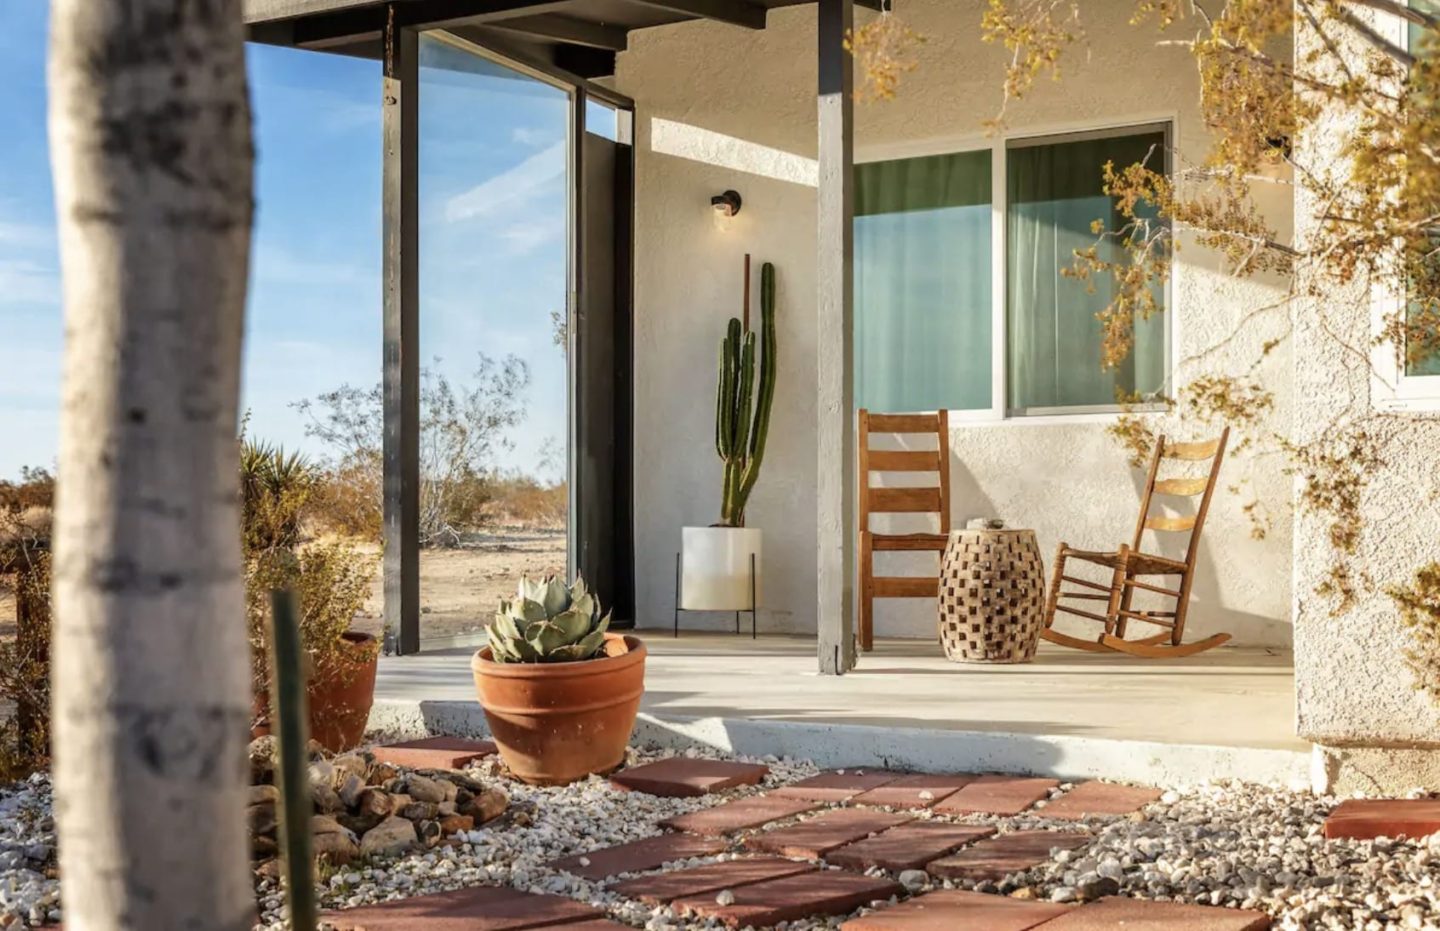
339 709
555 723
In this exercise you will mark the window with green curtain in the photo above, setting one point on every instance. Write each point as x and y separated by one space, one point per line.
922 283
1428 364
1055 192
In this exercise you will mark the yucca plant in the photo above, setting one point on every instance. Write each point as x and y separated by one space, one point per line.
548 622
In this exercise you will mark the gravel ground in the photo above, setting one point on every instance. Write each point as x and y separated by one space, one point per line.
1229 845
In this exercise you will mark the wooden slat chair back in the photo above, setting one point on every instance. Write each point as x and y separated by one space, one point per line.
911 500
1130 566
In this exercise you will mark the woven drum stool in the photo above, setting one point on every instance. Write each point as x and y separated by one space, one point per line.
992 596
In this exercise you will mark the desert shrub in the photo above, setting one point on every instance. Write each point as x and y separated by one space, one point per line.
524 500
346 501
331 582
1419 604
462 427
275 487
25 658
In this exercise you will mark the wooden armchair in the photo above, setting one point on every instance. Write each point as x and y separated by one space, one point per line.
1130 568
920 500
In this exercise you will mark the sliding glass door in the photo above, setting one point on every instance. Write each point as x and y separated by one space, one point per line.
495 227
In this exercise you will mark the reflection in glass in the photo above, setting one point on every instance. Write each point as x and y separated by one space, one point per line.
493 283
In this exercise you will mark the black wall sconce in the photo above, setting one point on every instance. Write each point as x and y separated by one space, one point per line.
727 204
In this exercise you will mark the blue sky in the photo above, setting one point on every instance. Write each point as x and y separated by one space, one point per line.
492 237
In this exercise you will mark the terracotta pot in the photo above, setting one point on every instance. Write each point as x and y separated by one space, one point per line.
555 723
339 710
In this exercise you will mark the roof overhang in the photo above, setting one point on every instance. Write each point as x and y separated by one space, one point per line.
580 36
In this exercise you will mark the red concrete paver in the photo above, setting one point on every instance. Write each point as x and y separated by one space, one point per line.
740 815
952 909
838 786
434 752
682 777
809 895
1000 856
1140 915
832 830
480 908
921 790
1366 819
661 888
909 846
997 795
638 856
1089 799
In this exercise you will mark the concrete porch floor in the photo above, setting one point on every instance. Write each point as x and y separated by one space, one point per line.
1237 697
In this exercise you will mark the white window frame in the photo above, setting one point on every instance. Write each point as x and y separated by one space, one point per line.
1390 388
999 145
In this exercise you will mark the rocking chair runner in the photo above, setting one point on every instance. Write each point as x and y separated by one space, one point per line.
1129 566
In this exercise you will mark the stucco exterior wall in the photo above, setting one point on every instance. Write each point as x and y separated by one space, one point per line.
1354 690
720 107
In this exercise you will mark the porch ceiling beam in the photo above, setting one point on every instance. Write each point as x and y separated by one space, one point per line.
835 391
566 29
735 12
368 22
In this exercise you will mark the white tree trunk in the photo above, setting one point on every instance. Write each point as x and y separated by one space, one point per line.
150 135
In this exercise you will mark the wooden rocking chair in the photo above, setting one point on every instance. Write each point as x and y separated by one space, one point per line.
1130 566
932 500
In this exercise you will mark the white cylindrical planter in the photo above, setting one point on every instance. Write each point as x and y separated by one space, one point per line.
715 568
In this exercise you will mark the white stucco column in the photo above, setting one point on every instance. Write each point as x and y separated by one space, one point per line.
835 400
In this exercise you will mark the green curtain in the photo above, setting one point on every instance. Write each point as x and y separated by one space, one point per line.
922 283
1055 194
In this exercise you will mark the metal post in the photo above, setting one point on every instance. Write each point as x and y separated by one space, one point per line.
401 379
835 435
754 602
677 595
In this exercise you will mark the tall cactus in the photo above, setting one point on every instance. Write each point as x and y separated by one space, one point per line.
739 442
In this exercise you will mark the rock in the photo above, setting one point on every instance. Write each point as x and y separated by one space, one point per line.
1097 888
724 898
264 795
351 764
375 802
392 835
263 751
455 823
429 832
324 824
261 818
1063 894
914 879
446 809
262 846
420 811
268 869
349 789
321 773
360 823
425 789
337 847
1024 892
326 799
487 806
382 773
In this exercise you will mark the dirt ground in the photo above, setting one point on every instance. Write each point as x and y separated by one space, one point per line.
460 588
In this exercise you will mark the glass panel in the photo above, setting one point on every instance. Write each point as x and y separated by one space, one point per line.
493 281
922 283
601 119
1419 43
1055 194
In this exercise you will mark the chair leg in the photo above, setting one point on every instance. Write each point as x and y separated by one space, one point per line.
1117 588
867 593
1052 602
1182 607
1125 601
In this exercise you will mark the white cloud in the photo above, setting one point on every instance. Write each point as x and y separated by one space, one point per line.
531 137
274 265
511 189
530 235
27 282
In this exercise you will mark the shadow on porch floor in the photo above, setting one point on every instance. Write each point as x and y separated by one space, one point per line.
1230 697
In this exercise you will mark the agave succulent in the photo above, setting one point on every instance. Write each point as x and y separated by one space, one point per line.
548 622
